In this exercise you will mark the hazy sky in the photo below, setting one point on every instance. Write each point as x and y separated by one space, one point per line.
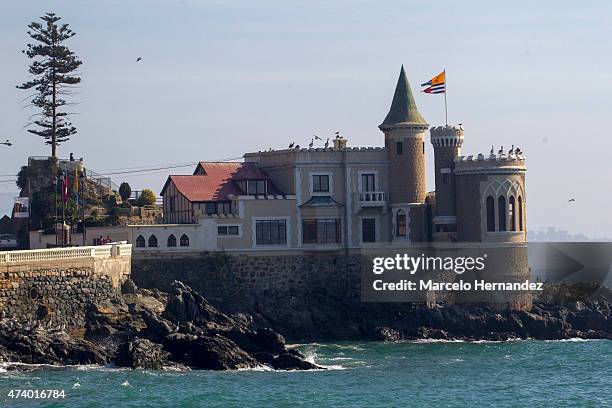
219 78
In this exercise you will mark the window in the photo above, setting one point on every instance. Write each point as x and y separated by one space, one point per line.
368 230
171 240
227 230
520 212
490 214
423 147
511 214
400 222
184 240
210 208
399 147
321 231
445 178
501 209
256 187
368 182
140 242
320 183
271 232
153 241
218 207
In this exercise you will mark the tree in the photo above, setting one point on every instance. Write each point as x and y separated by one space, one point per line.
125 191
147 197
53 71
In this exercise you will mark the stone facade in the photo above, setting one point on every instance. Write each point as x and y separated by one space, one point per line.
55 287
55 296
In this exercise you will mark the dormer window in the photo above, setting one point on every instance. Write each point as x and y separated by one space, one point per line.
254 187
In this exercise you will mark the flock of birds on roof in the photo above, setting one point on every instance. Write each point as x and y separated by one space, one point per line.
293 145
512 150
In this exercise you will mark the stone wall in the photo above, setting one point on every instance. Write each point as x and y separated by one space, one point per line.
55 287
53 297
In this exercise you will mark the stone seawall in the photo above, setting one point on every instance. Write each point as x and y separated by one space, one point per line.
312 296
55 287
54 296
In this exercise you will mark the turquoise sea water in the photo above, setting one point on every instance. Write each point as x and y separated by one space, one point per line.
455 374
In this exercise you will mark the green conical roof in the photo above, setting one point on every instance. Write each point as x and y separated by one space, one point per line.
403 108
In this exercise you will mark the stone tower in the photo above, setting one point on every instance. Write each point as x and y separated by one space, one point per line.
446 141
404 130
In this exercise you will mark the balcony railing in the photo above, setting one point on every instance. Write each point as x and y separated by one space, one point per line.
372 198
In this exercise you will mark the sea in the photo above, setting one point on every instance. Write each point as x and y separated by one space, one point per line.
522 373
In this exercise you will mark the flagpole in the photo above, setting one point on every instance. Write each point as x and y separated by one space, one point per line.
445 89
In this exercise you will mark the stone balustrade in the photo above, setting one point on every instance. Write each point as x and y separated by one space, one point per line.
54 254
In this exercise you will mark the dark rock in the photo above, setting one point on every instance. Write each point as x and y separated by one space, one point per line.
141 353
289 361
128 287
211 353
386 334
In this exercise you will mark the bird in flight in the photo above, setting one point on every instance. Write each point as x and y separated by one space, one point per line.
317 137
571 200
138 59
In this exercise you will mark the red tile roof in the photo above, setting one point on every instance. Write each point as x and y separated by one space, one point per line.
214 181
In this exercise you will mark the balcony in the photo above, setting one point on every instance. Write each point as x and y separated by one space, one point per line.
372 199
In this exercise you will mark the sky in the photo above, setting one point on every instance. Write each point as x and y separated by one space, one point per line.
220 78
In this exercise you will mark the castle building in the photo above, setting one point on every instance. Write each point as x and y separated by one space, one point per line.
340 197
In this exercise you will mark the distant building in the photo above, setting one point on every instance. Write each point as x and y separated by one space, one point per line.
340 197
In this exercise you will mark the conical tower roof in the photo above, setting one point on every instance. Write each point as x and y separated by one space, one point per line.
403 108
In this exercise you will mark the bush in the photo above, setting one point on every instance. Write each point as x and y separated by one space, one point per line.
147 197
125 191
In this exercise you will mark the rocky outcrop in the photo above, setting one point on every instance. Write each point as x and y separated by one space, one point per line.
147 329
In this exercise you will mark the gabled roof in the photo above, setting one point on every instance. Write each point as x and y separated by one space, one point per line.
214 181
403 109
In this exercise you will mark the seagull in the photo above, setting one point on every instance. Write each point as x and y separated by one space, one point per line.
125 383
297 146
501 151
138 59
76 384
317 137
571 200
327 143
518 151
311 144
291 145
492 149
511 150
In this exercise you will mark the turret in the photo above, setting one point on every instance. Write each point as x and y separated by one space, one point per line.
446 141
491 199
404 130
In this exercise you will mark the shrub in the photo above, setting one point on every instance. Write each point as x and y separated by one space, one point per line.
125 191
147 197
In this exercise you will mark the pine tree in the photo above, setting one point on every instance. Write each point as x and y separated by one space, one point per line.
53 71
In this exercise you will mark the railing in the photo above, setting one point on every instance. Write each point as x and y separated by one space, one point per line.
37 255
372 198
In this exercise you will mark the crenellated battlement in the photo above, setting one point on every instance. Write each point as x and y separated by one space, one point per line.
491 163
442 136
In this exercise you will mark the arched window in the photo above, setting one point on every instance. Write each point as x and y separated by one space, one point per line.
184 240
400 222
501 210
490 214
171 240
153 241
520 213
140 242
512 213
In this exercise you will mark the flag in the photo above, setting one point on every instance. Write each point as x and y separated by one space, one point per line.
76 185
436 85
65 187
